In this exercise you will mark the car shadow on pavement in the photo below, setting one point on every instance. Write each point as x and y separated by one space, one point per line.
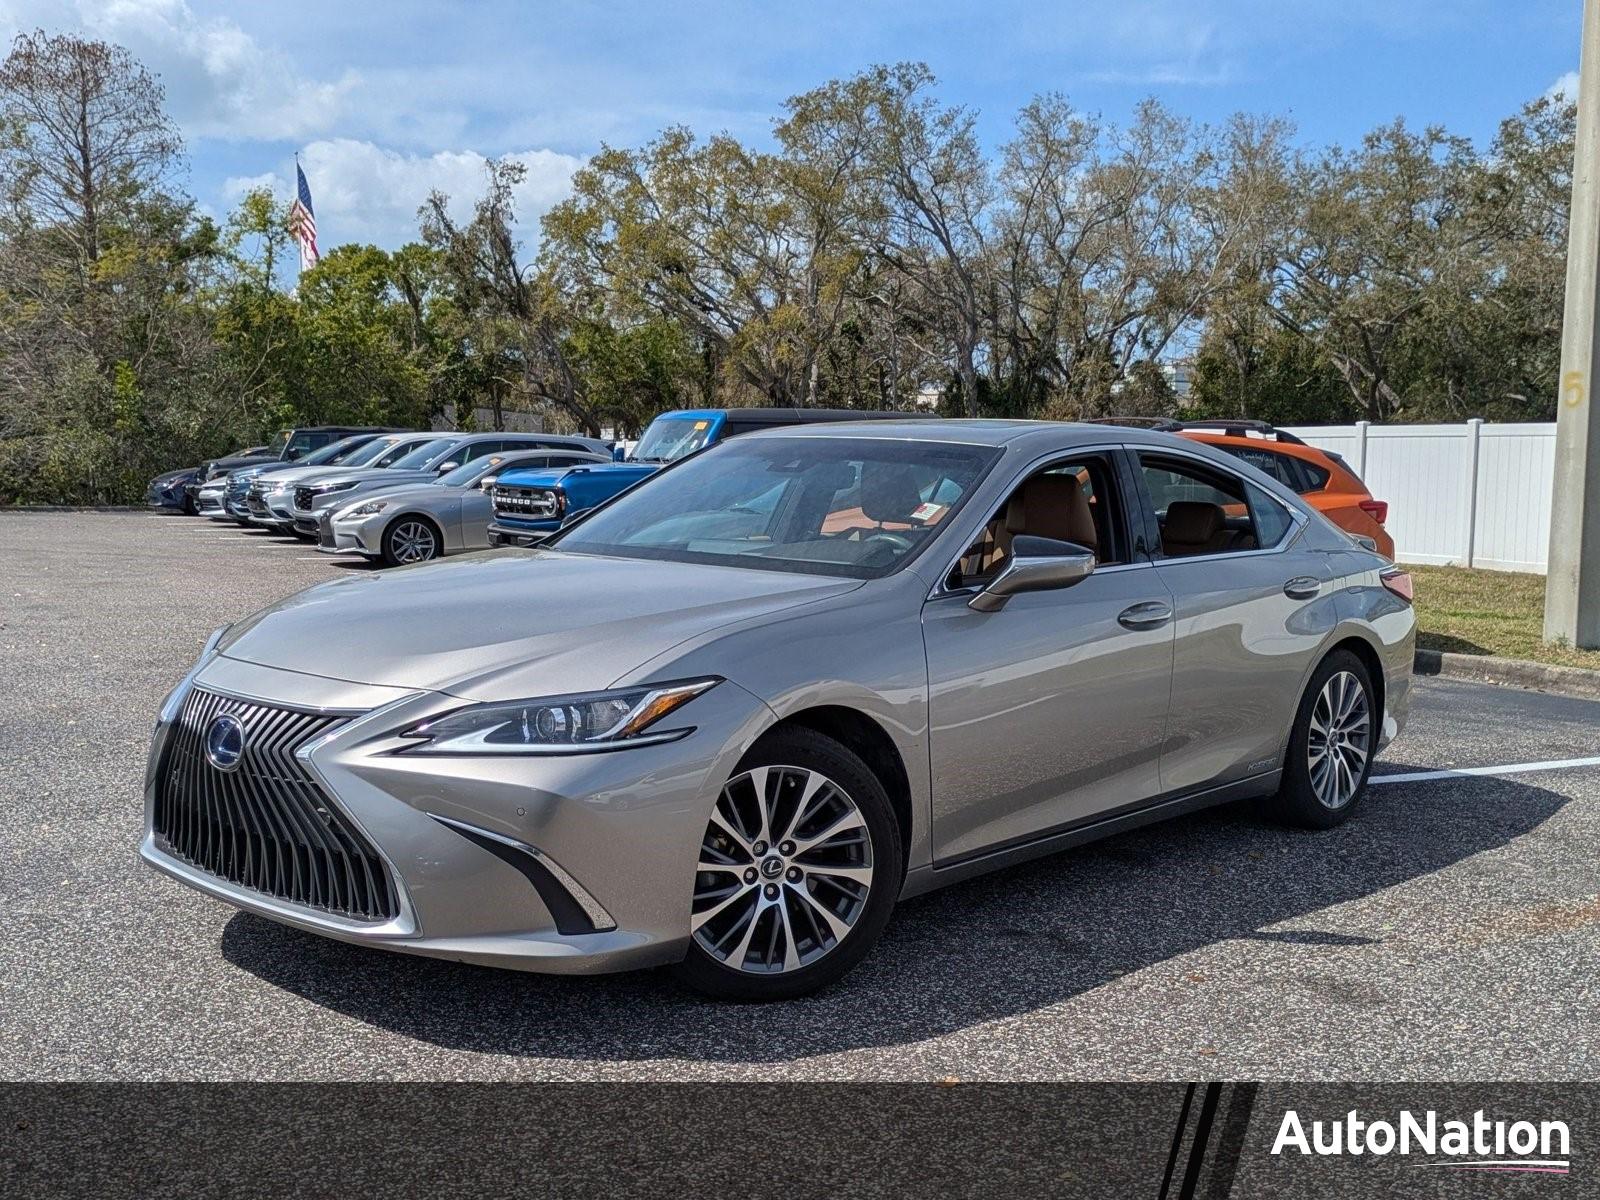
996 947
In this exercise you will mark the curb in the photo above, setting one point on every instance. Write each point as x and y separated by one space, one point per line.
1511 672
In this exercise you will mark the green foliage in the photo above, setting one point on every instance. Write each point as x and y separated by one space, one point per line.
873 257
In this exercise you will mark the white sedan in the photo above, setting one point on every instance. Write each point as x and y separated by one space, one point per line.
415 522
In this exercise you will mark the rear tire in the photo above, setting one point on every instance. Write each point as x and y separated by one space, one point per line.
1330 747
809 926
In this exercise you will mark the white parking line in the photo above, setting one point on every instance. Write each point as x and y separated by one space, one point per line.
1553 764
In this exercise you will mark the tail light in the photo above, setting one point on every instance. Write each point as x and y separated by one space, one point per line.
1398 580
1378 510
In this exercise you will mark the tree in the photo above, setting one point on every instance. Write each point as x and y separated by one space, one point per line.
91 136
1381 230
925 193
515 316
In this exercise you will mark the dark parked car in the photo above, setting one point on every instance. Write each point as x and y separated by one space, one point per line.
291 446
178 489
167 491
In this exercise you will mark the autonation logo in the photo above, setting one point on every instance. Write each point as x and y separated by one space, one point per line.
1480 1144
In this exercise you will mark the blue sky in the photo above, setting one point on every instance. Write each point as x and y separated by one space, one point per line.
387 99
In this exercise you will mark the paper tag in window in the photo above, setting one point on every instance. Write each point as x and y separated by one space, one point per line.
927 513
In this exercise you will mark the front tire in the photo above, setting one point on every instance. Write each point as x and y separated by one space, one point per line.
411 539
798 871
1331 745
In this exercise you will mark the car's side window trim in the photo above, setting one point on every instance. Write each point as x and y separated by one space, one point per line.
1147 503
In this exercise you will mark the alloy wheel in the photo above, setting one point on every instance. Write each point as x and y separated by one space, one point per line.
784 873
413 541
1340 736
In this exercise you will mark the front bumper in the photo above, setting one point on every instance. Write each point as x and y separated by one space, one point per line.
362 535
305 520
618 832
531 533
274 510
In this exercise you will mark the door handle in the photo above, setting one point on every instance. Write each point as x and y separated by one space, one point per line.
1302 587
1148 615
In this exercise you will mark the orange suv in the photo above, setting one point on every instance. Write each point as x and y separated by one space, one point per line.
1322 478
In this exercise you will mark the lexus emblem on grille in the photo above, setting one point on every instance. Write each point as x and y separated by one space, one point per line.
225 742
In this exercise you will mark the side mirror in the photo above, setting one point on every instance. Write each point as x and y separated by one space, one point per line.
449 466
292 453
1037 565
487 482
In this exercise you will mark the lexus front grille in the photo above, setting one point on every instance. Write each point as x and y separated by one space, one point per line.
266 825
303 496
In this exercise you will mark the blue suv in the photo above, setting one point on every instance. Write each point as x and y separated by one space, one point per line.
530 505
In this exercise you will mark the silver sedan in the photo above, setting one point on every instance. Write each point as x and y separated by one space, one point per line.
413 523
729 719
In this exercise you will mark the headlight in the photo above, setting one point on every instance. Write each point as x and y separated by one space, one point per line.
367 509
560 724
327 489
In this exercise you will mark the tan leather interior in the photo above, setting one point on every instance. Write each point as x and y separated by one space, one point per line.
1050 506
1053 506
1194 527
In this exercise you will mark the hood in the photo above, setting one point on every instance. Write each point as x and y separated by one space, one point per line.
550 476
363 474
511 624
410 493
175 476
228 464
294 474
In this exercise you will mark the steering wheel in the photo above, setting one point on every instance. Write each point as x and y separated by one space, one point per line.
898 540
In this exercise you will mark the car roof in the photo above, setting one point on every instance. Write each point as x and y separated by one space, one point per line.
794 416
533 440
984 432
1294 449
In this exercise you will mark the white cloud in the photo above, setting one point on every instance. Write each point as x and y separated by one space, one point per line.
368 193
219 81
1565 88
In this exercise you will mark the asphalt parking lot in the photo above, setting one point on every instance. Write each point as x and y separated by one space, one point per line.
1449 931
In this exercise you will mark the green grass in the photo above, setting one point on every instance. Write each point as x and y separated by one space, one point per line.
1488 612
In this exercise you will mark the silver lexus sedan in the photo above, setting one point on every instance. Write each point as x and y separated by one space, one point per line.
729 719
449 514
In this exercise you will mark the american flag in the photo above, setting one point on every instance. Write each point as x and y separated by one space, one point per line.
302 221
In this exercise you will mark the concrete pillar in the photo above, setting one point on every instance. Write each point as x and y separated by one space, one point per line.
1572 588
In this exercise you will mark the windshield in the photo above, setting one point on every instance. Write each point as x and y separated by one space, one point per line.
858 507
393 453
368 454
424 455
468 473
670 438
334 452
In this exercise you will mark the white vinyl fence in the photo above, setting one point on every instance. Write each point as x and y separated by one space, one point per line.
1471 495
